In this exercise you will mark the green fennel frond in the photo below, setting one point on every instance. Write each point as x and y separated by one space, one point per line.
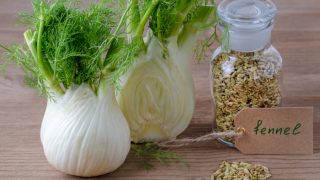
122 57
148 152
24 59
66 45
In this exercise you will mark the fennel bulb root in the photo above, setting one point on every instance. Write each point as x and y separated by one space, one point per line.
84 134
158 98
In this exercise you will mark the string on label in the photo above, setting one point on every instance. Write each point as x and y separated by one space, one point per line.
176 143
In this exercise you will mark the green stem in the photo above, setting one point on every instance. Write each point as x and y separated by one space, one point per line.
197 23
183 9
109 42
5 48
122 19
44 66
134 17
145 18
187 31
30 40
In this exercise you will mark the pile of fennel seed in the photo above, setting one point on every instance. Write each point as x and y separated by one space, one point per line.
241 80
241 171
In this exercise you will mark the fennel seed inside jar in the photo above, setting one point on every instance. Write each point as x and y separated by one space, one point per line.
246 69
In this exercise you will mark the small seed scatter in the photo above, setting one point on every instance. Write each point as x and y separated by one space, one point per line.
241 171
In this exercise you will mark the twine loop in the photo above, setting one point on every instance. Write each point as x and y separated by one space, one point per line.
175 143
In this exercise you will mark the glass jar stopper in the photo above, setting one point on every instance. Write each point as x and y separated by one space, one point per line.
249 22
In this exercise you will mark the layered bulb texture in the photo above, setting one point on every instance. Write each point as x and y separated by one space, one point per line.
85 134
158 98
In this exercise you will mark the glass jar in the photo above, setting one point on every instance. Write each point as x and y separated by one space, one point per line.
246 68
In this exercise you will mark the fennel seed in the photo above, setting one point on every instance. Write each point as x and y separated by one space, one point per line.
241 80
241 170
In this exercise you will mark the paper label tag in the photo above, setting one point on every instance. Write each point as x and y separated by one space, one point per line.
283 130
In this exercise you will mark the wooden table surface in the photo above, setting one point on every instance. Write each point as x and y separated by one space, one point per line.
296 35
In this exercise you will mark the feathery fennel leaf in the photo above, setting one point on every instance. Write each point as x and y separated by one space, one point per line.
148 152
24 59
66 45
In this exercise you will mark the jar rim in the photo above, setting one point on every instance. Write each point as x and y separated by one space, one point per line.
247 14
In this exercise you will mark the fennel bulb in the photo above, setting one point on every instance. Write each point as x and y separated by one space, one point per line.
158 98
73 57
84 134
157 95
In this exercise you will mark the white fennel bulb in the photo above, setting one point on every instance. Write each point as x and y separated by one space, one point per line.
158 98
85 134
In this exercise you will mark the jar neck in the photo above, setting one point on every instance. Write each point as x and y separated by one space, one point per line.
247 40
